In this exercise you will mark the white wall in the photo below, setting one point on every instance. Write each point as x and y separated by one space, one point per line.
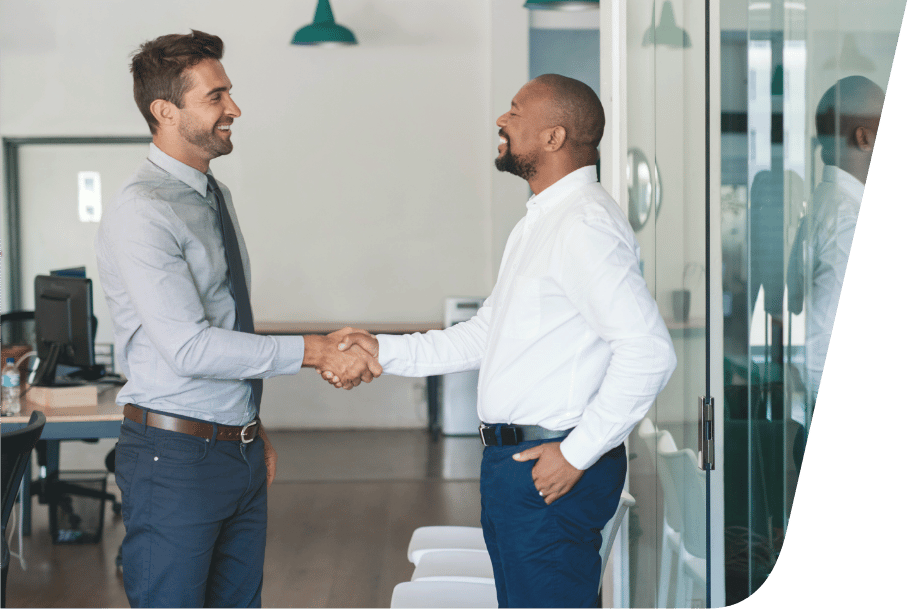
384 145
362 176
510 54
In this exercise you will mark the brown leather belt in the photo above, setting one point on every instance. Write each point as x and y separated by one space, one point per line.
200 429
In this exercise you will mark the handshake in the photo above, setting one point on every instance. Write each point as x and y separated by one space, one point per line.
344 358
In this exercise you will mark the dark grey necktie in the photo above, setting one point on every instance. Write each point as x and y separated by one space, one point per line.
237 278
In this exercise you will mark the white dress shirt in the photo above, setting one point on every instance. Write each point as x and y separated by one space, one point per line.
570 336
836 203
163 268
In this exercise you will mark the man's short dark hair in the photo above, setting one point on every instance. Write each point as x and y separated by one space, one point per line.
852 102
576 107
159 68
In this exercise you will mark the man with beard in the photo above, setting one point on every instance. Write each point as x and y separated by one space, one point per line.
192 461
847 120
571 351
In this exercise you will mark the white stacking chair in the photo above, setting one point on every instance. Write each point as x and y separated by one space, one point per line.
455 565
670 548
443 594
444 538
684 484
435 569
610 532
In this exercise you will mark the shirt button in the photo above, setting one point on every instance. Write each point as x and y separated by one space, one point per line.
155 458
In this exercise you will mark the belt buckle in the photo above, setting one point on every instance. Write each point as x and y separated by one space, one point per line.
510 435
487 435
243 431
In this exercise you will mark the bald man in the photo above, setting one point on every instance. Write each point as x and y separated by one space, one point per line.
571 351
847 119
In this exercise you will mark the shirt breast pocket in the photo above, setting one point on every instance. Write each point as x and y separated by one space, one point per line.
523 317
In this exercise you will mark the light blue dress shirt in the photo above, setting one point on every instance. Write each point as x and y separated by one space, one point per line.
163 269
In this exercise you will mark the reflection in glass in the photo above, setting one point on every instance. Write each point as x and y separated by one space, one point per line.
800 112
668 32
847 119
666 93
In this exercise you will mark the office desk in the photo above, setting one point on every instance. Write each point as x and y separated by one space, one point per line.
103 420
67 423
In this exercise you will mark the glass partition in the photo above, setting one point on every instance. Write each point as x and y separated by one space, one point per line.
802 90
802 86
668 205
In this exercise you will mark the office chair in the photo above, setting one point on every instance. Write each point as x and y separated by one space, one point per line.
15 452
18 328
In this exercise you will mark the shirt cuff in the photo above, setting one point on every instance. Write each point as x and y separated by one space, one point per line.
390 348
290 352
580 451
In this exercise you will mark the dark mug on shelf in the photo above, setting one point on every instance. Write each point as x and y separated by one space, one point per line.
681 304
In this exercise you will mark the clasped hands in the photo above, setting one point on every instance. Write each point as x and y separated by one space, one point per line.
344 358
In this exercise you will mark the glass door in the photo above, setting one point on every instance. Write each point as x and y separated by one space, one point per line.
668 200
802 90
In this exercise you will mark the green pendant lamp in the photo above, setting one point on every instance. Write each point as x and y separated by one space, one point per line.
561 5
667 33
323 31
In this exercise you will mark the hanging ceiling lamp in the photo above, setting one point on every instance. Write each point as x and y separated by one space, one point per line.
323 31
850 59
561 5
667 33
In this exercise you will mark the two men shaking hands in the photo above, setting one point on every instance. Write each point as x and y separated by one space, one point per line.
344 358
570 346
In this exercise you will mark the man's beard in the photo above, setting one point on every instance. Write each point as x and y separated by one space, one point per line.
207 140
521 166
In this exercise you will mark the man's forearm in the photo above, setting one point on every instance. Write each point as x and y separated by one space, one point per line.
456 349
229 354
637 372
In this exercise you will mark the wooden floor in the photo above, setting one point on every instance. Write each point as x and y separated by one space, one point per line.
340 517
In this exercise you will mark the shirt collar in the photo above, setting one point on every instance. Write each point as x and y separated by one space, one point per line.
844 180
563 187
193 178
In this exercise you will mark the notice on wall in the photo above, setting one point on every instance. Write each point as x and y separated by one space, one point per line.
89 196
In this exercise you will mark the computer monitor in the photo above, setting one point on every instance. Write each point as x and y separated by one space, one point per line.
63 325
76 271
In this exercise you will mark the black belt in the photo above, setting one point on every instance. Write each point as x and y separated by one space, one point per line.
512 435
199 429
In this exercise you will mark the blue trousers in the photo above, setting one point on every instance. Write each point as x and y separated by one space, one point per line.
546 555
195 512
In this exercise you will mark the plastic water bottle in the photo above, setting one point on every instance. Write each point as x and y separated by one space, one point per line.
9 404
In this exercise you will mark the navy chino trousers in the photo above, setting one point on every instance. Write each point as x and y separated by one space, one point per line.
195 512
546 555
